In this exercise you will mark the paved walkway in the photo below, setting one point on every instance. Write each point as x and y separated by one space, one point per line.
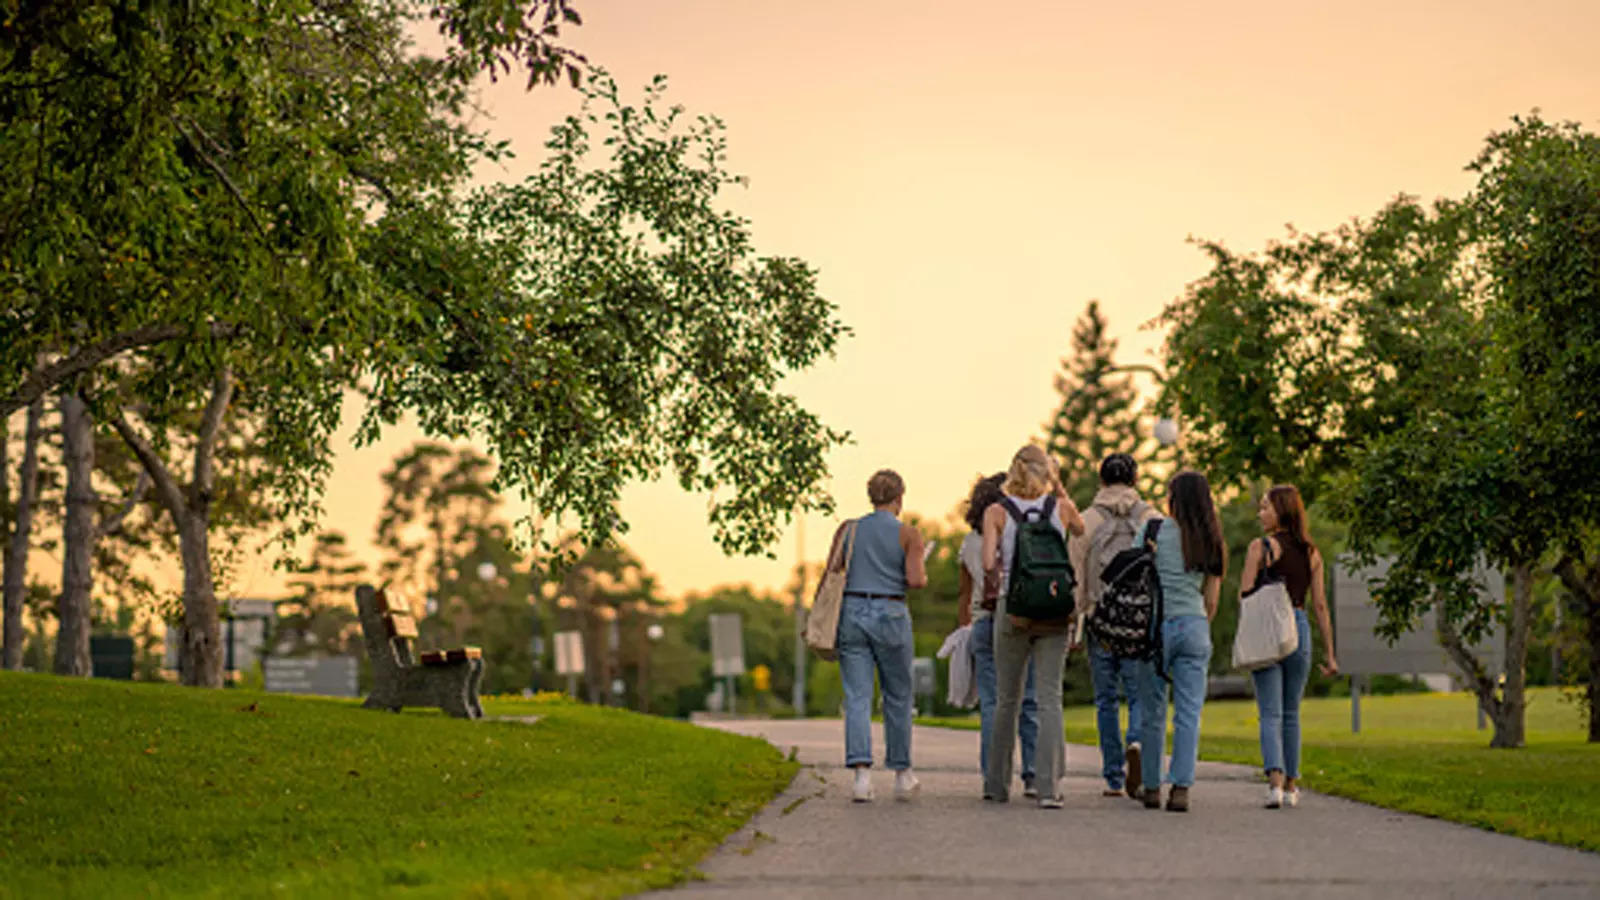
948 843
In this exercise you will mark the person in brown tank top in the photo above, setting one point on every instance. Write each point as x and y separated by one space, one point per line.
1288 552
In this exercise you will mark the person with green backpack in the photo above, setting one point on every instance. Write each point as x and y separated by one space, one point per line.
1027 572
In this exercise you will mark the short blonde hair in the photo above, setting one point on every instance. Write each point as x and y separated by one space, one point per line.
885 487
1030 473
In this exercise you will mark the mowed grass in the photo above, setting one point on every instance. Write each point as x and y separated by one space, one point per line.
112 789
1422 753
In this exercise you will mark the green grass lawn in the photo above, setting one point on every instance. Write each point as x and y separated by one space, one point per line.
119 789
1422 753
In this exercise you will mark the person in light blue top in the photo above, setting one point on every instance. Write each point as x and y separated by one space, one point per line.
1190 558
886 559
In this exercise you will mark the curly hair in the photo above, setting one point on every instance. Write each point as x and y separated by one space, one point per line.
985 493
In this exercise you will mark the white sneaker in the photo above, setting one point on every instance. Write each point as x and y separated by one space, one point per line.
1291 798
1050 802
906 785
1274 797
863 791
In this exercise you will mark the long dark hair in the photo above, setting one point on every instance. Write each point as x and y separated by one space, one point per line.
1189 495
984 494
1291 513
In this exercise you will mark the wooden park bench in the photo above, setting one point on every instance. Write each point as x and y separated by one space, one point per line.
447 679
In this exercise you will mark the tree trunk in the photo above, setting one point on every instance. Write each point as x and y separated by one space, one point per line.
1505 708
1585 586
73 608
202 625
16 554
1511 729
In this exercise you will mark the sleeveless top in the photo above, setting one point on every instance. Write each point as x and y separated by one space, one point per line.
878 564
972 561
1182 588
1293 565
1008 539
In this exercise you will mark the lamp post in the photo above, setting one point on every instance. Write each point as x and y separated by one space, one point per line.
1166 431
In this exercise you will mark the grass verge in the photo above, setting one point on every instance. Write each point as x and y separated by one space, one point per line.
1422 753
120 789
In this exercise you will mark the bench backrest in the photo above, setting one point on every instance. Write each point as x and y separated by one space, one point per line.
388 627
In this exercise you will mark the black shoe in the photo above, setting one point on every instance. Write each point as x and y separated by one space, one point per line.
1178 799
1152 798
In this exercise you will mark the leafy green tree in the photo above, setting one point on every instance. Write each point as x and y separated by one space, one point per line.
1100 412
19 527
438 501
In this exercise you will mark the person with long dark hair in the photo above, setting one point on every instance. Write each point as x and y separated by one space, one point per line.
978 613
1288 553
1190 559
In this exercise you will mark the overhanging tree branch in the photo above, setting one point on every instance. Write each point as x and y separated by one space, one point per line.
42 380
113 523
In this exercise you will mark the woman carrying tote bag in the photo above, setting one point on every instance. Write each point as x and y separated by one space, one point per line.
1287 555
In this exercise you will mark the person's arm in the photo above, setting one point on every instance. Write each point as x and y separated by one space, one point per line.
1071 519
1252 568
1319 604
964 605
1077 555
916 569
1213 589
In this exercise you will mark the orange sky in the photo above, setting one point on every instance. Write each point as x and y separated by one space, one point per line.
967 177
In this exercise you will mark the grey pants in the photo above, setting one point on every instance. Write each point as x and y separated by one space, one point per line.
1013 647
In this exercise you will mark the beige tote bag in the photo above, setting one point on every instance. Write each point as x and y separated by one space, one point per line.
822 623
1267 631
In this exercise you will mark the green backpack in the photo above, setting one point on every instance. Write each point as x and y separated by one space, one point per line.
1041 584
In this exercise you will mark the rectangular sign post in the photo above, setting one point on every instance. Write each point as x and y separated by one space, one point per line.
329 676
1363 652
727 652
569 658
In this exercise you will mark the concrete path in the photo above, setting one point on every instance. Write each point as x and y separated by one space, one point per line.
948 843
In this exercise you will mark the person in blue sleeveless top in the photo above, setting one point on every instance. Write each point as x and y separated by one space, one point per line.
875 634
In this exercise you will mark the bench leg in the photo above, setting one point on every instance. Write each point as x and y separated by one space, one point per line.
473 680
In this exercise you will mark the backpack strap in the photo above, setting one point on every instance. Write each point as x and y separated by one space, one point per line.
1013 509
1049 507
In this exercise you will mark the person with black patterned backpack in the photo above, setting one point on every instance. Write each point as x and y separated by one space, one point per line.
1113 524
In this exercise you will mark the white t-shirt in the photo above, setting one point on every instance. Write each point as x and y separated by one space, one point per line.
972 561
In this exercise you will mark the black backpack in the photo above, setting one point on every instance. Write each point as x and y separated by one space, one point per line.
1041 584
1127 620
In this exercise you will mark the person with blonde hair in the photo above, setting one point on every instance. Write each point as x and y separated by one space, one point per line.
1032 493
886 559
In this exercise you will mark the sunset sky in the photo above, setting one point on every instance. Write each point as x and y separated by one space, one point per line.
968 176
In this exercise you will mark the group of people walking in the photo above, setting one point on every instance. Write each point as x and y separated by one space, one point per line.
1039 579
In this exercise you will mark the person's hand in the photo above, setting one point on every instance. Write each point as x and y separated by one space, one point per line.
1329 668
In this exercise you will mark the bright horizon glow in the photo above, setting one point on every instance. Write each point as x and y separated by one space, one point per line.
967 180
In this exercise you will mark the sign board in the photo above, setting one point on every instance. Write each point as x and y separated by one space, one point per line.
1363 652
727 644
329 676
569 652
244 641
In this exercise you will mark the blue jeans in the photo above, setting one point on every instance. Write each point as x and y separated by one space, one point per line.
1186 653
875 633
1279 688
1112 674
983 670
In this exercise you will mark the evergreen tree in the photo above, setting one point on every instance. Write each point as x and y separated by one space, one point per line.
1100 413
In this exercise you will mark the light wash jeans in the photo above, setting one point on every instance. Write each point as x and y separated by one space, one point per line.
875 633
1113 674
983 670
1186 653
1279 688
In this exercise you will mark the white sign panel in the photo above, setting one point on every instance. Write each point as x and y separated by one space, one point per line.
329 676
1363 652
727 644
569 652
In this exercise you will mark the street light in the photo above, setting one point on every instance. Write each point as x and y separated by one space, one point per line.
1166 429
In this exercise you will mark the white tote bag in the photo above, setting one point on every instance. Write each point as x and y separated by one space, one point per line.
822 623
1267 630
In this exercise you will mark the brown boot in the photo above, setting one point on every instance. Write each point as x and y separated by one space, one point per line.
1178 799
1152 798
1135 771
